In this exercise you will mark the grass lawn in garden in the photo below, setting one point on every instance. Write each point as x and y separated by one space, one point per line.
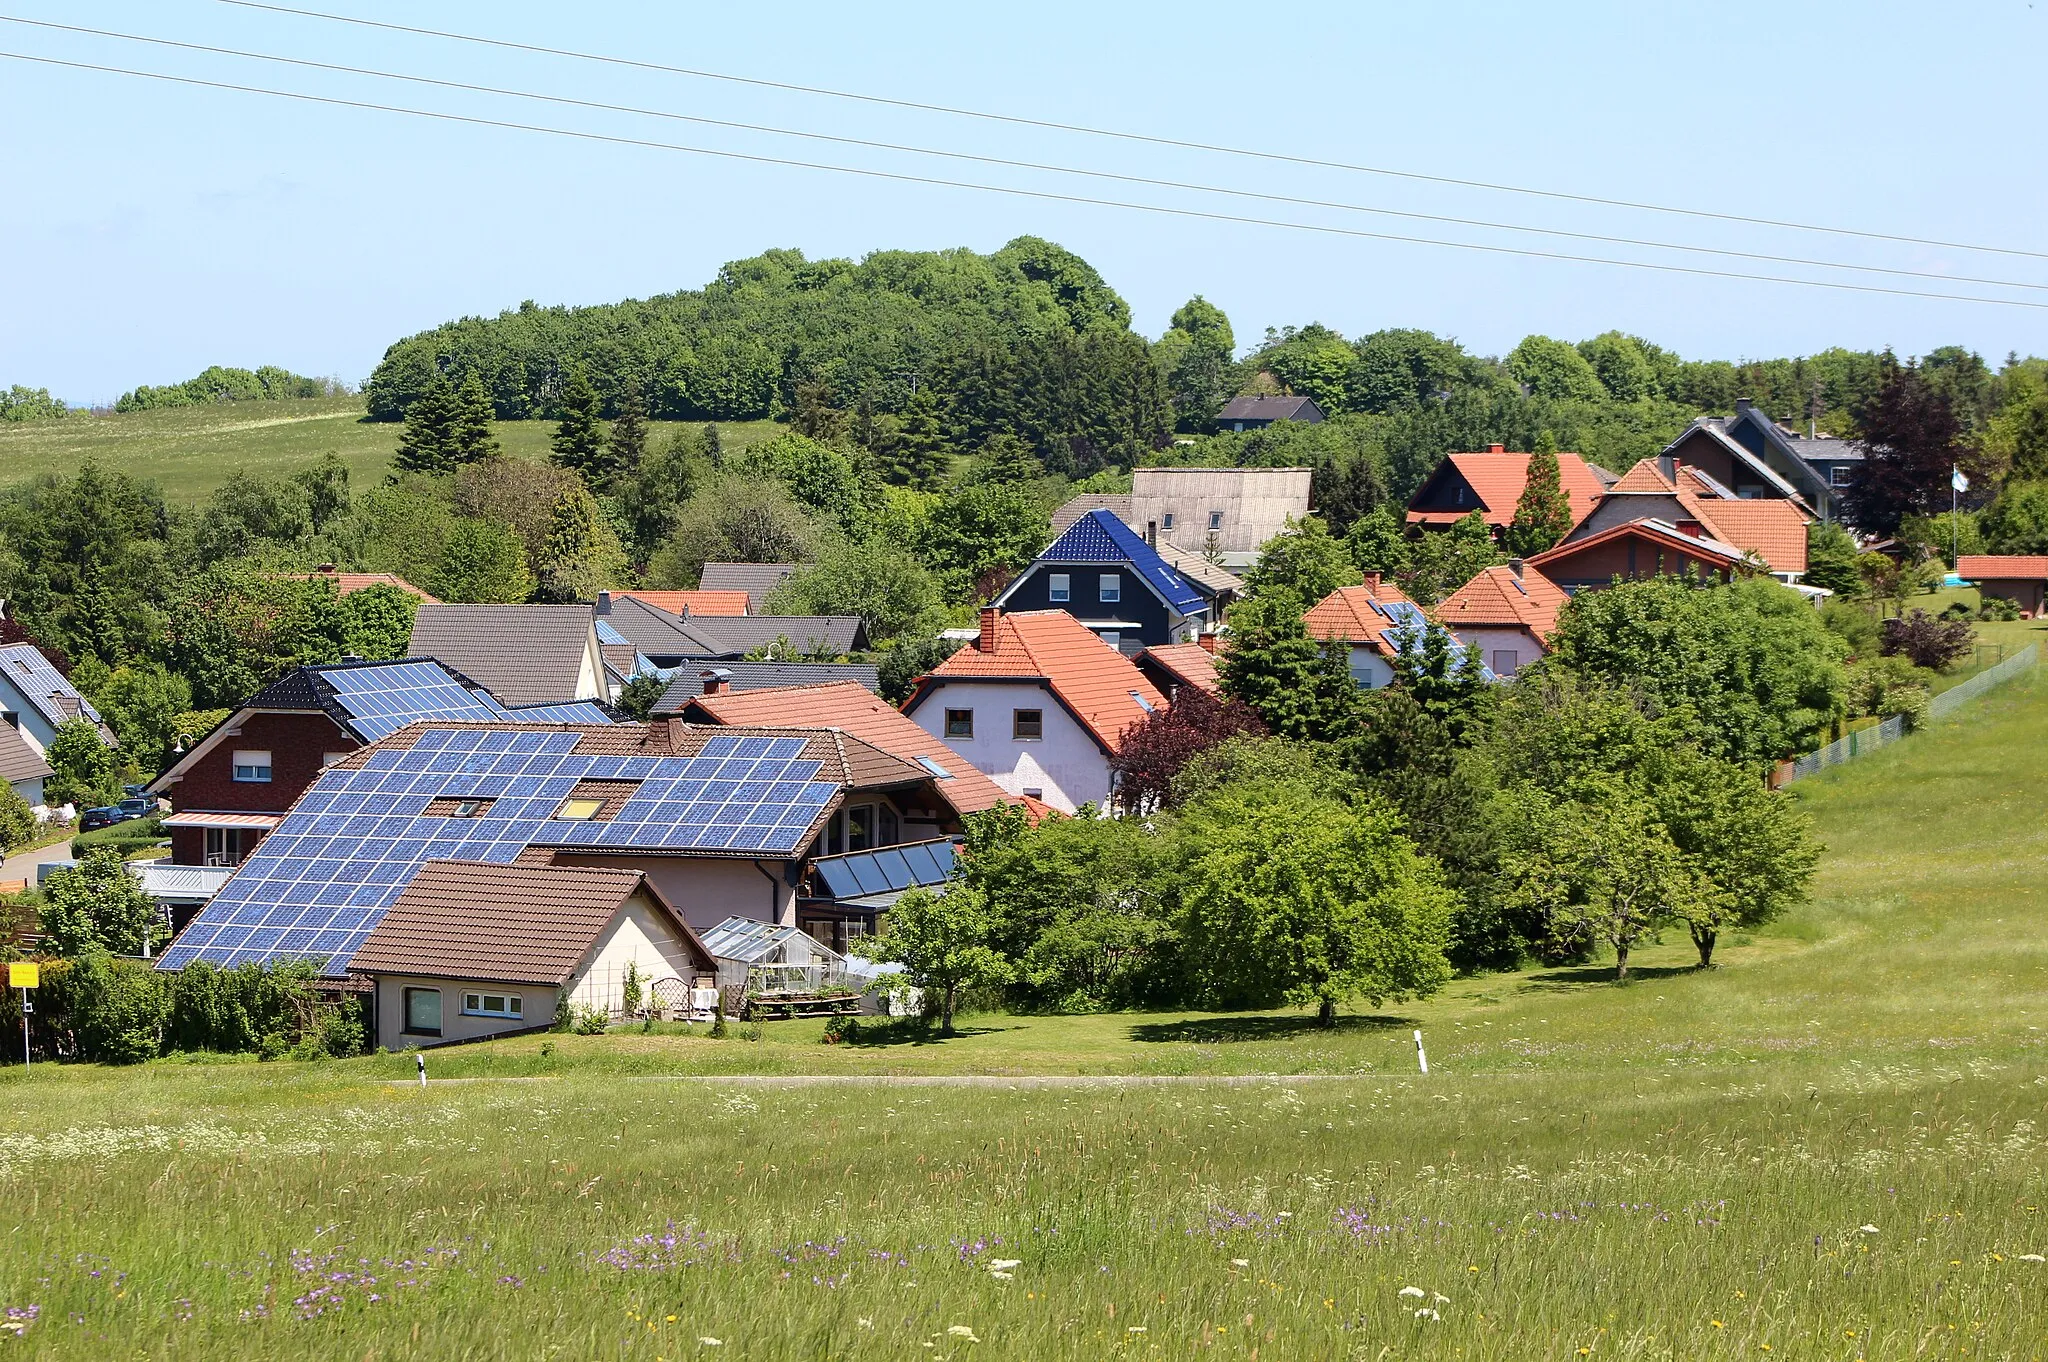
190 451
1827 1148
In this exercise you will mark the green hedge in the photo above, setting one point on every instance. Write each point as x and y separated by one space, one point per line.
132 836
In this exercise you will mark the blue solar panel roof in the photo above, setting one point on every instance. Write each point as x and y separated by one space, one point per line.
319 884
886 870
1099 537
381 699
42 685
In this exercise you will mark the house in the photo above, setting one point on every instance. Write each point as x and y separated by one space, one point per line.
1374 621
524 654
1754 456
1227 514
851 709
756 579
471 949
1218 583
1636 549
36 699
2019 578
347 583
1508 613
1256 413
22 766
719 678
1172 666
1491 482
234 784
1117 504
1105 576
1037 704
1773 529
688 603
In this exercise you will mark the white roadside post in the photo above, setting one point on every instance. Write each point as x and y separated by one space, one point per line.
423 1069
1421 1057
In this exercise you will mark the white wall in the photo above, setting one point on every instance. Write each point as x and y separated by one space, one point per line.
639 935
1518 641
537 1003
1369 669
1065 765
708 890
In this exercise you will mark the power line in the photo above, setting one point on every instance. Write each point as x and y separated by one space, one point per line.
1146 138
1013 164
1017 192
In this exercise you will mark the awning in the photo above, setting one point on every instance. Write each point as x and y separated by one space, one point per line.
265 821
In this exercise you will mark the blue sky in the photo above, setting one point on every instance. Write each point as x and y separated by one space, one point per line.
151 230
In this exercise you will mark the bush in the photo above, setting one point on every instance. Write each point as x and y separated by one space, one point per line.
592 1021
116 1008
137 834
1926 641
840 1030
1884 686
1998 608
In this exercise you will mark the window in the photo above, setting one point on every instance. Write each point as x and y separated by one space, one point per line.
491 1005
576 810
890 830
329 758
1166 522
860 827
252 766
1838 476
1506 661
423 1011
1109 587
1113 639
1060 587
1034 792
1027 724
1215 520
223 846
959 723
470 808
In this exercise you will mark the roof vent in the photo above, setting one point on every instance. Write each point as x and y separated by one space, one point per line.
351 659
717 681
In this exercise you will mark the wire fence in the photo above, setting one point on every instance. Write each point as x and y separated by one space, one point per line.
1866 740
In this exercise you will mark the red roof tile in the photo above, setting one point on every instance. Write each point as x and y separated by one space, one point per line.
2002 567
1771 528
693 602
850 707
1646 476
346 582
1103 688
1193 664
1497 598
1659 532
1497 479
1346 615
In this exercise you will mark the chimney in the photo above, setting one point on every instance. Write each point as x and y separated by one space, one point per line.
987 642
604 602
325 569
350 659
1515 566
1372 583
1152 533
1668 464
717 681
1207 642
1496 449
686 610
1742 404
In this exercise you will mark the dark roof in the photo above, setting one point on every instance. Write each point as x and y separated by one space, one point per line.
756 579
1270 409
657 633
510 924
736 634
19 761
688 684
1100 539
526 654
40 684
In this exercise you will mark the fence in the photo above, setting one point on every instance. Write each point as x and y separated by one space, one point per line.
1864 740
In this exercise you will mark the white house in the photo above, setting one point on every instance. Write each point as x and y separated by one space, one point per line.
1369 620
1508 613
1038 703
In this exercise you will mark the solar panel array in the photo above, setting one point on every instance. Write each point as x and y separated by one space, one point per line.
887 870
31 672
383 699
319 884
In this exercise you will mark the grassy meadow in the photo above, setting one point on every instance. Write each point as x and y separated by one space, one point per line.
190 451
1827 1148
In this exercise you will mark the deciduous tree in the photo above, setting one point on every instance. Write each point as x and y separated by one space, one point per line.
98 905
1154 749
944 941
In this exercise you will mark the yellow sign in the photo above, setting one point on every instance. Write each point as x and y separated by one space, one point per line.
24 974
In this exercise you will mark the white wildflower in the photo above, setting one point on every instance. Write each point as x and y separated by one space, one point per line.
1869 1229
962 1331
1005 1264
1414 1291
866 1323
711 1342
1240 1262
1426 1313
2032 1258
1440 1298
1004 1276
1135 1329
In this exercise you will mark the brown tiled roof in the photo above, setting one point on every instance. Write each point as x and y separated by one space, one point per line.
1101 687
756 579
524 654
346 582
1497 478
1189 663
1644 476
1770 527
19 761
1209 577
1497 598
1117 504
509 924
847 706
2007 567
1346 616
692 602
1659 532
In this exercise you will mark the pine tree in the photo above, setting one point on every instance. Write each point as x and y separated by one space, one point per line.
628 444
578 441
469 436
425 446
1543 516
713 447
917 454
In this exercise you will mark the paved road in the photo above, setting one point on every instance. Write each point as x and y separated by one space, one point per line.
22 865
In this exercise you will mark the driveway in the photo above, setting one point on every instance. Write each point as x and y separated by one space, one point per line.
22 865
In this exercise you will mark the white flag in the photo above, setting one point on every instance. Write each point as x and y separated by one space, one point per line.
1957 480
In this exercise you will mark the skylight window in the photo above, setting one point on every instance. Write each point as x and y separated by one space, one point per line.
941 772
579 810
1143 703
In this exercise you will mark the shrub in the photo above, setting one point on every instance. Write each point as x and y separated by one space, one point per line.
1998 608
592 1021
116 1008
137 834
1885 686
1926 641
841 1029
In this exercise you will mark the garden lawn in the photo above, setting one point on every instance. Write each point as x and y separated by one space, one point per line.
190 451
1828 1148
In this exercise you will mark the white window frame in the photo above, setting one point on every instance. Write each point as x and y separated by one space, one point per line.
1109 588
1166 521
440 1016
1059 587
510 1006
563 814
223 846
259 772
1215 521
1114 639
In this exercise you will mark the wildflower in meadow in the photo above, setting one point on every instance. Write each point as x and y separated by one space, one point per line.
962 1331
1414 1291
711 1342
2032 1258
1240 1262
1868 1229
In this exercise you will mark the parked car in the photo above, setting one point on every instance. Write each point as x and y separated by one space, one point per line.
103 817
137 808
129 792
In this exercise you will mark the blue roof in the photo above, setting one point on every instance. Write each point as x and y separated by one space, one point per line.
381 698
319 884
30 673
1100 538
887 870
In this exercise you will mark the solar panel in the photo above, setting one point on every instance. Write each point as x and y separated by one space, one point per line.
322 880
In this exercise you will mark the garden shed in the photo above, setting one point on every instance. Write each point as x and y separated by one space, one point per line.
767 955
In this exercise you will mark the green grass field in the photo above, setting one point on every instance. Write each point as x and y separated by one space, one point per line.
1828 1148
189 451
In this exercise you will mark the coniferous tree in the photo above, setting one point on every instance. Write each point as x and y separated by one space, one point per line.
469 434
917 454
426 444
628 443
578 441
713 447
1543 516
